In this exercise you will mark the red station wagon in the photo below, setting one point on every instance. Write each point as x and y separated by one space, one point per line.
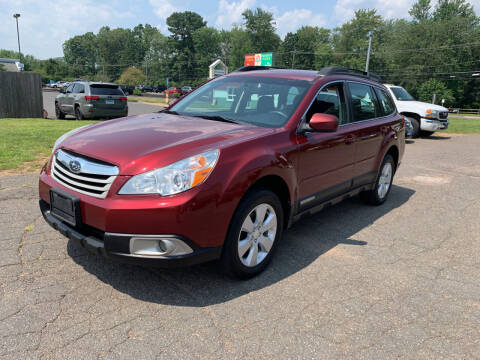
224 171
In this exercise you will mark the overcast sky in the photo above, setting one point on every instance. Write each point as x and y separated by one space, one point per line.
46 24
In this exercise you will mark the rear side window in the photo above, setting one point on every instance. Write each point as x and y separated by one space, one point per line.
386 102
105 90
79 88
364 103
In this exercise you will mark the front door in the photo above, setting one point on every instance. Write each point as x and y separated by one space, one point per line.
326 160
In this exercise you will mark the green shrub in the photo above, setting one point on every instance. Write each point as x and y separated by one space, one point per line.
137 92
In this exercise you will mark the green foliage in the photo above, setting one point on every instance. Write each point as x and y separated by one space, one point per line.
137 92
434 86
132 77
261 28
2 67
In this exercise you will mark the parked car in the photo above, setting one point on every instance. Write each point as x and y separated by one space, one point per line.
159 88
210 178
174 90
88 100
127 90
186 89
425 118
147 88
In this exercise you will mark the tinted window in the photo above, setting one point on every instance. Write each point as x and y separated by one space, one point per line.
386 102
69 88
401 94
79 88
105 90
262 101
330 100
364 103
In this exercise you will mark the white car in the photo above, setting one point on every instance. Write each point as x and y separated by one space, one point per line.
425 118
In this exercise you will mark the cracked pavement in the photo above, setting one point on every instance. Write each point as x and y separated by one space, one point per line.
396 281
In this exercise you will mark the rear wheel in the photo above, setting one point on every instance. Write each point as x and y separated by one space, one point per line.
78 113
415 127
59 113
383 185
254 233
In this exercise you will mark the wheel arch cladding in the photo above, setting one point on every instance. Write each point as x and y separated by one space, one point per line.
393 151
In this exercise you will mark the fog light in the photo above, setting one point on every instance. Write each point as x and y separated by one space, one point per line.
156 246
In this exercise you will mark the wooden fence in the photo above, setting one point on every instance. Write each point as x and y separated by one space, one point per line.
20 95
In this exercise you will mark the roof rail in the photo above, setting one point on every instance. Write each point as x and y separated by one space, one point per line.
252 68
341 70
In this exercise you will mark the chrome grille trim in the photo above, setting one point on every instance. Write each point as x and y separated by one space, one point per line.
94 179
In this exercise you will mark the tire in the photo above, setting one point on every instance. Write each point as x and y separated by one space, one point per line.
59 113
247 251
78 113
379 194
424 133
415 127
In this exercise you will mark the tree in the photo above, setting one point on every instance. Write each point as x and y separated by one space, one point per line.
183 25
434 86
261 27
420 11
235 44
131 77
207 49
81 50
446 9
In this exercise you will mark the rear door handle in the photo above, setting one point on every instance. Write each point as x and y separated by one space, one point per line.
349 139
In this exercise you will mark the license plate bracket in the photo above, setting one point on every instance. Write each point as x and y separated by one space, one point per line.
65 207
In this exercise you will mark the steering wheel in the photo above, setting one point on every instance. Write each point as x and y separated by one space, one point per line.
278 113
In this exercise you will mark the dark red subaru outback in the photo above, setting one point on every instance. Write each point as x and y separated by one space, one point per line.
224 171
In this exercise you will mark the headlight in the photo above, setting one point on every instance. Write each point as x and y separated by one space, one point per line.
432 114
175 178
67 134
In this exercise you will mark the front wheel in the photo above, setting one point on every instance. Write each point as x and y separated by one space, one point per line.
58 112
254 233
415 127
383 185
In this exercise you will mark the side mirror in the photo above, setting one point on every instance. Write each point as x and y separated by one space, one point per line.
62 91
324 122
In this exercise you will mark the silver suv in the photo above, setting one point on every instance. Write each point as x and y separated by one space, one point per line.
89 100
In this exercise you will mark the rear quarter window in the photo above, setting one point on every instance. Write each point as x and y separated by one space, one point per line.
386 102
105 90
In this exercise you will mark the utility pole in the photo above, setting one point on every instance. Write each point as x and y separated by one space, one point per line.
369 49
16 16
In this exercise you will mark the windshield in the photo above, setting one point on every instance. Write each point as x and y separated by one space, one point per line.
262 101
401 94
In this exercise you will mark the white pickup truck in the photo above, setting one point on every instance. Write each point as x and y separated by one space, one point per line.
425 118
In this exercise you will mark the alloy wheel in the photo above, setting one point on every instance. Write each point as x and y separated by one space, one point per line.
257 235
385 180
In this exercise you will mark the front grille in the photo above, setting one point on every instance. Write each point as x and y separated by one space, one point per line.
443 115
93 178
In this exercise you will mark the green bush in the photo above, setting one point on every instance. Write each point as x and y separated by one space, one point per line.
175 95
137 92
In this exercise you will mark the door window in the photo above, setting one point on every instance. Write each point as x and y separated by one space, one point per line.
79 89
69 89
330 100
386 102
364 103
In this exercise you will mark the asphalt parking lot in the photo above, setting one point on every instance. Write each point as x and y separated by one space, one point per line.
134 108
399 280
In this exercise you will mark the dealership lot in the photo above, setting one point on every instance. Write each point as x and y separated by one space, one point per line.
399 280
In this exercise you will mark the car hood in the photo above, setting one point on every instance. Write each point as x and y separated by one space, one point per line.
142 143
418 106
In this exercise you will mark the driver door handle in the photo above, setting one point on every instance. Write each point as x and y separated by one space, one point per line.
350 139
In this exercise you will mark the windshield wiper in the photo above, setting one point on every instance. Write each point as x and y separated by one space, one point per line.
169 112
216 118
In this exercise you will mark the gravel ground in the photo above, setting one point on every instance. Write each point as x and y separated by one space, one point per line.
399 280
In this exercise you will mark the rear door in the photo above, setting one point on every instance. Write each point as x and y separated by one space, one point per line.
369 128
107 96
66 102
326 160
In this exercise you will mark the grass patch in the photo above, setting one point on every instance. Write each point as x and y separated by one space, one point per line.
463 126
26 143
148 99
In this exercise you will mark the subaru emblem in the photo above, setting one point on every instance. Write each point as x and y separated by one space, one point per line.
75 166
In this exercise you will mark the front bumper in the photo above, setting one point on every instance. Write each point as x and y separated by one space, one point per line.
434 124
116 246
